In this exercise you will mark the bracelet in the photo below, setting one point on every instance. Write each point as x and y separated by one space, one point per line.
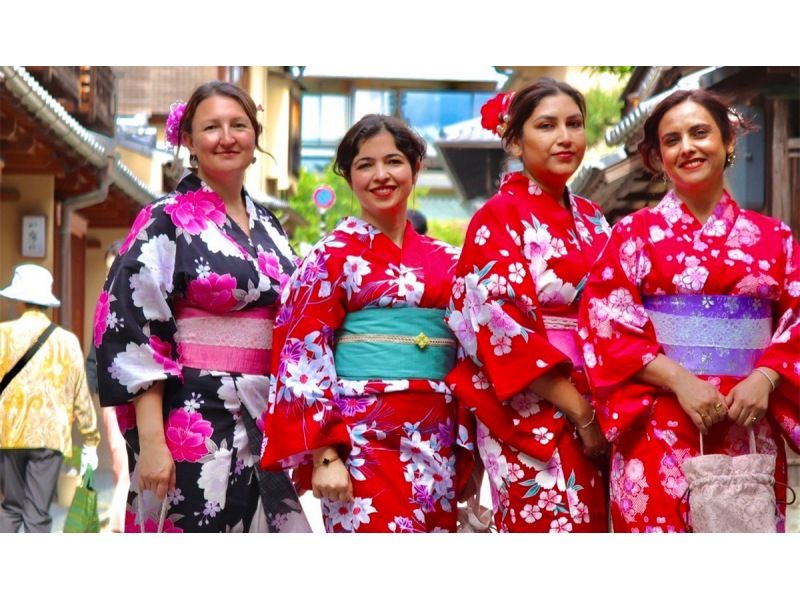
590 422
763 373
327 461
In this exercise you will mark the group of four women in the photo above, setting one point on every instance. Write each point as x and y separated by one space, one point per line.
388 370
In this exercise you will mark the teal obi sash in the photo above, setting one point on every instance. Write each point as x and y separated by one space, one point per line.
394 344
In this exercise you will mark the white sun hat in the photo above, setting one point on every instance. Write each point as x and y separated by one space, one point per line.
31 284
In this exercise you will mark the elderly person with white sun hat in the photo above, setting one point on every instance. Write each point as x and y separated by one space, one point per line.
43 389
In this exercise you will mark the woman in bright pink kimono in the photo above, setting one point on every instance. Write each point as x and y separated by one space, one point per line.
514 310
690 321
358 401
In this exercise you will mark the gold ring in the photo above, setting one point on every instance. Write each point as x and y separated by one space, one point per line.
718 406
754 419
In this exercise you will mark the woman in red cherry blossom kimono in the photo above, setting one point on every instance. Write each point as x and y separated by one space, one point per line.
358 403
690 321
514 311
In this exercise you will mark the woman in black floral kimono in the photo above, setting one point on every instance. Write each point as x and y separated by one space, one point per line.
183 329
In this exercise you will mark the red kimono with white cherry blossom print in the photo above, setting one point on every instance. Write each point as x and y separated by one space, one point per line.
666 250
399 436
525 258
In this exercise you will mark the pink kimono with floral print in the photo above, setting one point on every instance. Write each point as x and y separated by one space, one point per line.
524 260
398 437
666 250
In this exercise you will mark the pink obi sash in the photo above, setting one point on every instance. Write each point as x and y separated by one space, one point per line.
237 341
562 334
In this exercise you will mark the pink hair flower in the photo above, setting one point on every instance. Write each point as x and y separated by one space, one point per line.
172 130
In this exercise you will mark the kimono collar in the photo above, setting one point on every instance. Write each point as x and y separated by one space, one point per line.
519 185
719 223
355 226
192 182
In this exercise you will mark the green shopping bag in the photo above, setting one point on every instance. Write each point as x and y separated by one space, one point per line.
82 516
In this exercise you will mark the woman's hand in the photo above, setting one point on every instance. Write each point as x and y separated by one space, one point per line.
594 442
747 401
156 467
701 400
330 478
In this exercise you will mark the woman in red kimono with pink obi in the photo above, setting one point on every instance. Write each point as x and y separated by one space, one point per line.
358 401
514 311
690 322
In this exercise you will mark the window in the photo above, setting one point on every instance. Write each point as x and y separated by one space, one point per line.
430 111
324 119
372 102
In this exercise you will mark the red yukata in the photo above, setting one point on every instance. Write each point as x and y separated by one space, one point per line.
398 436
666 251
523 264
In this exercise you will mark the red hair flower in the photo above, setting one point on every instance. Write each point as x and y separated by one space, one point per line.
494 113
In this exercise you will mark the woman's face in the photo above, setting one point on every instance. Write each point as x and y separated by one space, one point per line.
381 177
692 150
553 140
222 137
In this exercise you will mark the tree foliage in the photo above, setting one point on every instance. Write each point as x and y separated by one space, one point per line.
303 203
602 110
620 71
449 231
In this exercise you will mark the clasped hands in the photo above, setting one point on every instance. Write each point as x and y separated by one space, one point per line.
745 404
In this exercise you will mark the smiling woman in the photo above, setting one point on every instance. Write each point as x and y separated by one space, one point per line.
514 311
358 403
698 302
183 335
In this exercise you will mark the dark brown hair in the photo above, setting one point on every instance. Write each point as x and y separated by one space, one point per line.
411 145
526 100
220 88
728 121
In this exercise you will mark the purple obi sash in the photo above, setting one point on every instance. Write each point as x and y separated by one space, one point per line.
562 334
238 341
721 335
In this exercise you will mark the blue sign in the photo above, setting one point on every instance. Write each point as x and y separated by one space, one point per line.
324 197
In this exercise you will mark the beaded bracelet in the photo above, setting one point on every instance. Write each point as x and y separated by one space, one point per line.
763 373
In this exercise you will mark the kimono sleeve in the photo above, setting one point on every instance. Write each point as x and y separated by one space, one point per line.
134 326
783 353
494 311
301 413
618 337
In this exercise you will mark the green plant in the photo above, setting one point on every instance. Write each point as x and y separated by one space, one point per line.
620 71
602 110
449 231
302 202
